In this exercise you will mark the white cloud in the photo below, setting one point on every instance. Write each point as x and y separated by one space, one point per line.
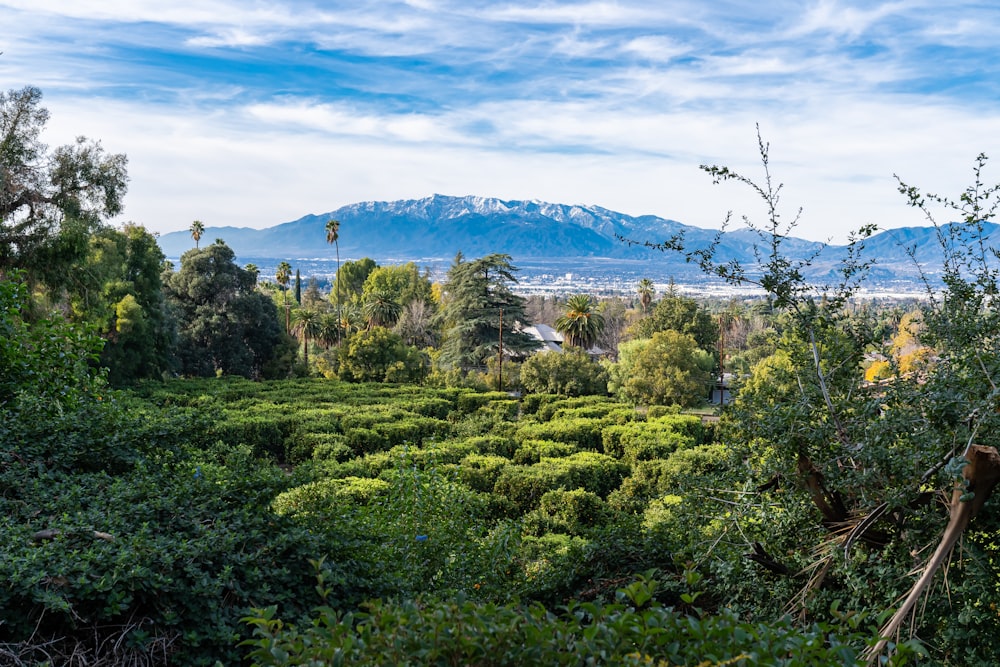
587 13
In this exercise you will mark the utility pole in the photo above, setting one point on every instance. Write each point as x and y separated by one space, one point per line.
500 356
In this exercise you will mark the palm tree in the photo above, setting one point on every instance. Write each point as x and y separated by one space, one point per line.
197 230
307 325
329 330
283 275
580 324
254 271
350 317
333 236
646 291
380 309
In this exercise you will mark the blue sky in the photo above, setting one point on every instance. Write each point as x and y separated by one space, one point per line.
252 113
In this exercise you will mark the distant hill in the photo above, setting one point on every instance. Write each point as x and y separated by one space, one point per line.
438 227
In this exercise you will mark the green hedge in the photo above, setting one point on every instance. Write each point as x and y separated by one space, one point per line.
533 451
584 433
525 485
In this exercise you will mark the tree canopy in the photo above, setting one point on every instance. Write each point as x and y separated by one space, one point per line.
476 292
224 325
50 200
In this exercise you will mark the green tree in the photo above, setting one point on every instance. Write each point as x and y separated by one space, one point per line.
197 231
404 283
333 236
224 325
476 292
379 355
682 314
380 309
307 323
646 291
580 324
119 288
667 369
50 201
571 373
254 271
282 276
350 280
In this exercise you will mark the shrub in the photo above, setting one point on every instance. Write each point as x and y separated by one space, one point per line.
530 403
319 501
571 373
480 472
571 512
525 485
634 630
532 451
584 433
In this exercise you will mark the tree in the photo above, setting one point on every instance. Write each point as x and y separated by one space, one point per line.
403 283
580 324
282 276
50 201
254 271
667 369
646 291
298 287
224 325
682 314
197 231
378 355
416 324
571 373
333 236
380 309
350 280
307 323
476 292
118 288
866 459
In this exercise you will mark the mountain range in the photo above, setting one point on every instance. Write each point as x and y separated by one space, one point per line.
435 228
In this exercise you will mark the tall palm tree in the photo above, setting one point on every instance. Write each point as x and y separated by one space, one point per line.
646 291
581 325
197 230
333 236
308 325
283 275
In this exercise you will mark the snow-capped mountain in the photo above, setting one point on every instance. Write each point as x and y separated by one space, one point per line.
440 226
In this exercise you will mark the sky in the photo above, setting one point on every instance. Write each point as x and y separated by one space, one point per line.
252 113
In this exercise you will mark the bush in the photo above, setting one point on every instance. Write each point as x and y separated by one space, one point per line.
571 373
643 441
584 433
634 630
469 402
480 472
532 451
574 512
525 485
319 502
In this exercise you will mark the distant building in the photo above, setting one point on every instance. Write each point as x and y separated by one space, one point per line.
552 341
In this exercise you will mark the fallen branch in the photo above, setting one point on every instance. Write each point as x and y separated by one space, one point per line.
981 476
